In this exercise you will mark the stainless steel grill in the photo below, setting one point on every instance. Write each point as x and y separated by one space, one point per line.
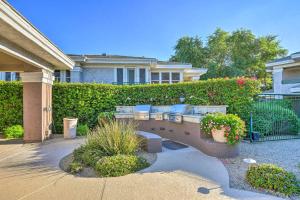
159 116
177 111
142 112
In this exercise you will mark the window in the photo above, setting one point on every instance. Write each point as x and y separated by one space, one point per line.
57 75
8 76
142 75
175 77
18 76
155 77
119 75
68 76
130 76
165 77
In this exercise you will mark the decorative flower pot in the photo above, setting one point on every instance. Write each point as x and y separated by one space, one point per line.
219 135
70 125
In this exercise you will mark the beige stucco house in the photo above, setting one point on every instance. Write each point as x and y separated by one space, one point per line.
286 74
25 50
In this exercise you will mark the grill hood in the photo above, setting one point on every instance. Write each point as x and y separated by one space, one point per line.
181 109
142 112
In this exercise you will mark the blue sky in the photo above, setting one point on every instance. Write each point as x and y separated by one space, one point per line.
151 27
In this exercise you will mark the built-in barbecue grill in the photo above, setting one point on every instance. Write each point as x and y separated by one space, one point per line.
142 112
177 110
159 116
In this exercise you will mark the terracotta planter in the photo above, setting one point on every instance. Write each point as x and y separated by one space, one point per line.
219 135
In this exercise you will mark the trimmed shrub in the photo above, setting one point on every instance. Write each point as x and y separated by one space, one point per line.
82 129
272 177
85 101
77 153
105 117
11 104
75 167
87 156
234 126
91 156
15 131
119 165
114 137
275 116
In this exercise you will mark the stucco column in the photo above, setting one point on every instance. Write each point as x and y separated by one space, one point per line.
277 80
37 105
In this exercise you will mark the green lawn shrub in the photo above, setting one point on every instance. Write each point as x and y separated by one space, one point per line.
82 129
274 117
105 117
110 149
87 155
86 101
75 167
14 132
119 165
273 178
11 104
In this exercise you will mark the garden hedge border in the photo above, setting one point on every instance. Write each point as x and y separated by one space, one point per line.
87 100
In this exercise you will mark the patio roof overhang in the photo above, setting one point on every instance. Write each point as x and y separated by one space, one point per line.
194 73
19 39
24 49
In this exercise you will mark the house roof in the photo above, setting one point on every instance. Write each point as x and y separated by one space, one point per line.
281 59
120 58
171 63
287 61
108 56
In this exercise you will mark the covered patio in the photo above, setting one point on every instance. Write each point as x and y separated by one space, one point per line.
26 50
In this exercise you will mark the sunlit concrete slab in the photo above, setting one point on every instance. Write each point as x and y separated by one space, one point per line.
31 172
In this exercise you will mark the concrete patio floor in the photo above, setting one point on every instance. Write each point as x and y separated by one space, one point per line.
31 172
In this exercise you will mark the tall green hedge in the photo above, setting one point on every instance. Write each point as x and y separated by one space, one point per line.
11 104
86 101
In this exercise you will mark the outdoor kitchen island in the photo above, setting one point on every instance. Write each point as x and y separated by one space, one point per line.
180 123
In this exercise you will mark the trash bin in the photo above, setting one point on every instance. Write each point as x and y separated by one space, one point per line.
70 125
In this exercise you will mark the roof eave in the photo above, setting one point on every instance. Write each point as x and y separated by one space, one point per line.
23 27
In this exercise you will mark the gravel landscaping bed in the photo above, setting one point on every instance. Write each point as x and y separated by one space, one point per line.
90 172
284 153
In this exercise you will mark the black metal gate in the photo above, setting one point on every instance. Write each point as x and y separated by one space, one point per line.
275 117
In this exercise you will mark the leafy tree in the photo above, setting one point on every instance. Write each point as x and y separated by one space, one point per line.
190 50
225 54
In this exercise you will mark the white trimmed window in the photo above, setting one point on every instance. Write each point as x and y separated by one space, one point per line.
68 76
165 77
120 75
57 75
155 77
131 75
175 77
8 76
142 75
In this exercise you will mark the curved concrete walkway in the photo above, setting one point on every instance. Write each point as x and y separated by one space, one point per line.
31 172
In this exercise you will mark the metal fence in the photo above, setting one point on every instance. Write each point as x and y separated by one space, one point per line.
275 117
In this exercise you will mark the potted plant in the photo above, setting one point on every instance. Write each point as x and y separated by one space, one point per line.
225 128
